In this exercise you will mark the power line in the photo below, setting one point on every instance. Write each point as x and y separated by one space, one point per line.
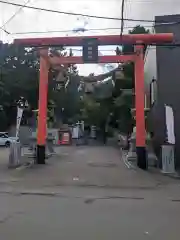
64 31
122 16
71 30
13 16
4 30
86 15
75 14
85 30
78 14
93 29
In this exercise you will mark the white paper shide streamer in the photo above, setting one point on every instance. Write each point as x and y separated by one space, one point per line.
168 165
170 124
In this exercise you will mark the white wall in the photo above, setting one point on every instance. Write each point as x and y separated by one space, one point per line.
150 65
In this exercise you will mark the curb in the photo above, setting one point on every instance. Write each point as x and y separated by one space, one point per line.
24 166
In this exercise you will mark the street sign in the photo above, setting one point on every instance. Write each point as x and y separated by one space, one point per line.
90 50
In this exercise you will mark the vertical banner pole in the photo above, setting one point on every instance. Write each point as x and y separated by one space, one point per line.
42 113
18 121
139 105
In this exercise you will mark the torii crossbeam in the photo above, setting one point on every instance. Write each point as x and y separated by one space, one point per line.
139 40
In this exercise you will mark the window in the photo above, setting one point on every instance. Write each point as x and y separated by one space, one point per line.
2 135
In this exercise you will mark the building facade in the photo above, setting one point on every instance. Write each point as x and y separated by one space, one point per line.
162 63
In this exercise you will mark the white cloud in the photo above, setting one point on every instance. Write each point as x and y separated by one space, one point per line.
34 21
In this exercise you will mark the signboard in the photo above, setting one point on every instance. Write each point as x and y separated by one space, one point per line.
64 138
168 159
90 50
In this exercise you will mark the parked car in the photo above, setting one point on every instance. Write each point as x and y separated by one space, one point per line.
5 140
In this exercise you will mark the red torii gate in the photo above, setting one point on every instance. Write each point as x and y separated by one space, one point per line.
139 40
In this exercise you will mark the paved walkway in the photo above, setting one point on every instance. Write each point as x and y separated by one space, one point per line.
87 193
88 166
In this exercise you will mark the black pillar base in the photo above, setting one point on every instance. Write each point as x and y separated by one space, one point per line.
142 158
41 154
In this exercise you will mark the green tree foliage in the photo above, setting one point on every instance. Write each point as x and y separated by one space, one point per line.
19 76
19 70
128 49
124 99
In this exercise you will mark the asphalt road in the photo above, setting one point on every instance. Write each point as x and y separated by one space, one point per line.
57 217
87 193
